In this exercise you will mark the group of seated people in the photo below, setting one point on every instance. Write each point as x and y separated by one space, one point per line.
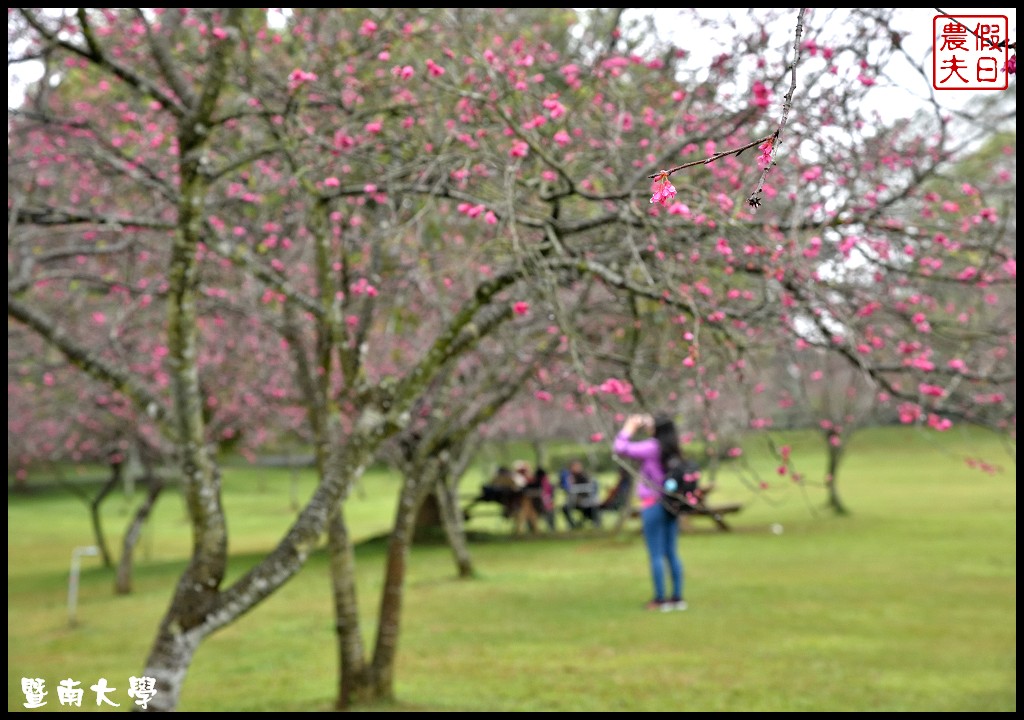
528 497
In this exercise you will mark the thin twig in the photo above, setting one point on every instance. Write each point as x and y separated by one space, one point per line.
711 158
754 200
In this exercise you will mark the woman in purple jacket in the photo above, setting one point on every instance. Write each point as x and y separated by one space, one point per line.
661 529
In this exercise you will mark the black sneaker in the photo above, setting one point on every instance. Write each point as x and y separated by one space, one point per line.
660 605
675 604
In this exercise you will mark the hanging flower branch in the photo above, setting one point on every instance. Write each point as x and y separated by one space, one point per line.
663 190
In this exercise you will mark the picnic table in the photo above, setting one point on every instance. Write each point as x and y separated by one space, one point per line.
509 502
716 513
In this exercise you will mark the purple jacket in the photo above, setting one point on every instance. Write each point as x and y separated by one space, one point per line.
648 453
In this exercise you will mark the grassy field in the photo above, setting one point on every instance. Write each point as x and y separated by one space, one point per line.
907 604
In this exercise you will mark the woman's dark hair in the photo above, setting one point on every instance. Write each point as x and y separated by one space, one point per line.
667 435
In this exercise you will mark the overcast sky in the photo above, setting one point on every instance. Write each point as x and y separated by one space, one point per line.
889 99
914 23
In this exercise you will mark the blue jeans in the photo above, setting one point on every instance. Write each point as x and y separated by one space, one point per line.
661 533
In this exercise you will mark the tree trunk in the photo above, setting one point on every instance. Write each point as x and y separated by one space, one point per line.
169 660
428 520
353 679
116 470
361 681
414 490
123 581
451 520
367 681
200 607
835 456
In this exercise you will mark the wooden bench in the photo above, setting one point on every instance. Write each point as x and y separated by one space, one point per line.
716 513
493 507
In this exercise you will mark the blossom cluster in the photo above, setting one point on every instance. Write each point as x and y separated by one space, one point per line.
663 189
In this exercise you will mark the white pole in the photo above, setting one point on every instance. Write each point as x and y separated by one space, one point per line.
76 563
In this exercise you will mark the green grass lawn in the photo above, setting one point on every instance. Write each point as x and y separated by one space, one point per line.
907 604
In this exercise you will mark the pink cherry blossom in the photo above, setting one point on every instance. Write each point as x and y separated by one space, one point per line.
678 208
922 363
521 307
362 285
663 189
765 158
519 149
614 386
535 122
814 247
909 413
762 95
555 109
299 77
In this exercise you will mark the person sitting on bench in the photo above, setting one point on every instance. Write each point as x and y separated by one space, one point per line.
541 493
526 511
503 489
581 496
